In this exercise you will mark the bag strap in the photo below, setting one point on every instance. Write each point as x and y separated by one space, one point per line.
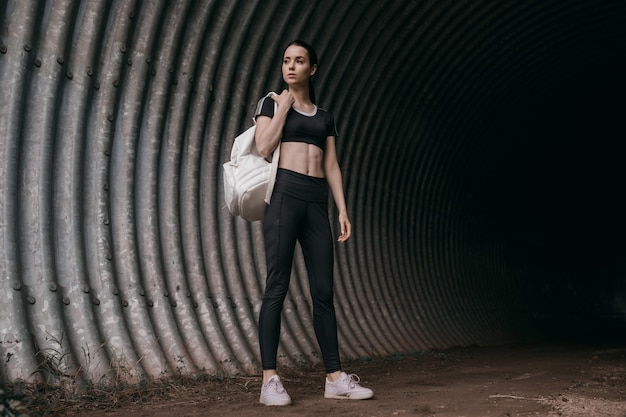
274 166
273 169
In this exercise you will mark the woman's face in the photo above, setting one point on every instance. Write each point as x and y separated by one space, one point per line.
297 67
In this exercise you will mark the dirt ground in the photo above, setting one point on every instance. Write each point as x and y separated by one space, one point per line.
534 380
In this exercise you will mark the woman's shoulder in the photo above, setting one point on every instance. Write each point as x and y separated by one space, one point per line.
262 100
323 110
325 113
265 106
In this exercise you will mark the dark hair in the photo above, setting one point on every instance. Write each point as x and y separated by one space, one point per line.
312 60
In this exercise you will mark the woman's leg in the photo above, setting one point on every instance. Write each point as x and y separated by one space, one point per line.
317 246
279 232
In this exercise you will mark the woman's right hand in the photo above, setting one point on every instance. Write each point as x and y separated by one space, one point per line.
284 100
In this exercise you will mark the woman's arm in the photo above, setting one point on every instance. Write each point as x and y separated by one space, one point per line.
335 182
269 130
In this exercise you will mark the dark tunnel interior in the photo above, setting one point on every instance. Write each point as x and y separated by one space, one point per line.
550 178
526 127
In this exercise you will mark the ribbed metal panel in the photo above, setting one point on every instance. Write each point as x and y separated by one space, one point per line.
117 256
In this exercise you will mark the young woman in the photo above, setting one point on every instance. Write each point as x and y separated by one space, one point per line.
298 210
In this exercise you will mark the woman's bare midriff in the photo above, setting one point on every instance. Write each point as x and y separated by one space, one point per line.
303 158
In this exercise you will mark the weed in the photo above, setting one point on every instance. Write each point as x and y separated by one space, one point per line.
62 387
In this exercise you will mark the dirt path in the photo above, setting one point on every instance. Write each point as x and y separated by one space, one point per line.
569 381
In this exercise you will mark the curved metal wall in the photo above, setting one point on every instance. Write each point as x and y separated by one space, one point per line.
117 256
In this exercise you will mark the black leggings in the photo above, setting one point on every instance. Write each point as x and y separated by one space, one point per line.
298 211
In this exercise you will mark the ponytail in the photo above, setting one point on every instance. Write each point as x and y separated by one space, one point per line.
311 91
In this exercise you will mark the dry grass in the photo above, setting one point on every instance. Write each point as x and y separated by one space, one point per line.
61 388
46 400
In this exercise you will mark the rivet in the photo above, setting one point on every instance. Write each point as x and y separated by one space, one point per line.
116 83
66 301
123 48
106 221
96 301
131 15
69 75
86 289
188 294
31 299
142 292
53 287
17 286
174 304
106 187
107 152
3 49
37 62
97 85
166 293
110 117
150 303
170 70
115 291
124 303
27 48
195 304
129 62
109 257
148 60
89 71
60 60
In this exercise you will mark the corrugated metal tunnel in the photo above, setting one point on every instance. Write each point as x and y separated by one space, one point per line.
480 141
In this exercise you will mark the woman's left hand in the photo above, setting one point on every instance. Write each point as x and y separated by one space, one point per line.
346 228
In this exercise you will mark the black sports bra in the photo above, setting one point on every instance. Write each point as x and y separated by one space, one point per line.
311 128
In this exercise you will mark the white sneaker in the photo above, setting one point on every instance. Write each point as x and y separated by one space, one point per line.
347 388
273 393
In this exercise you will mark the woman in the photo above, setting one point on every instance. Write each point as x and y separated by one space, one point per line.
307 168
